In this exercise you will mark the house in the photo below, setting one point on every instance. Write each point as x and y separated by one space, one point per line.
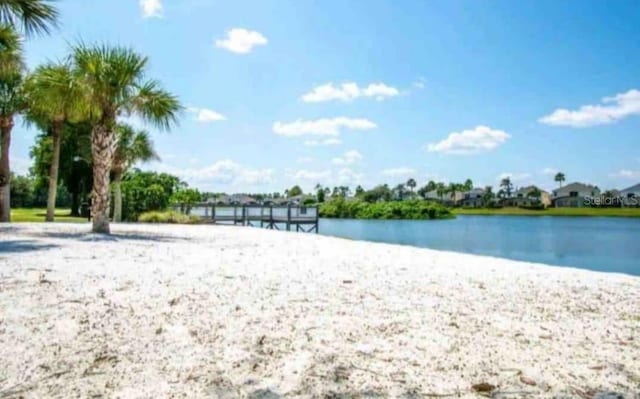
630 196
473 198
525 196
447 198
241 199
574 195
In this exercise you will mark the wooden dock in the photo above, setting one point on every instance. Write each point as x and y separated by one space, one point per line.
300 218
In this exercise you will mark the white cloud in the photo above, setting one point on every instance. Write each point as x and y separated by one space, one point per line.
549 171
151 8
326 142
470 141
348 176
241 41
305 160
348 92
312 176
205 115
349 158
321 127
398 172
221 172
626 174
610 110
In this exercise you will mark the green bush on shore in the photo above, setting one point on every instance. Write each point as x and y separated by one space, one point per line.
167 217
356 209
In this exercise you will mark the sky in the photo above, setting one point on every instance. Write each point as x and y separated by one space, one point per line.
284 92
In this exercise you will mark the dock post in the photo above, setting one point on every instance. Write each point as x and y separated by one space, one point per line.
289 217
213 213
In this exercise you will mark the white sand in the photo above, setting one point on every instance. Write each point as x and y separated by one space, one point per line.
211 311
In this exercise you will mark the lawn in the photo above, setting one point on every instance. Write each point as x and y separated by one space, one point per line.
37 215
612 212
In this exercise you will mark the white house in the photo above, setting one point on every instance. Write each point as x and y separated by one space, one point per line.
630 196
574 195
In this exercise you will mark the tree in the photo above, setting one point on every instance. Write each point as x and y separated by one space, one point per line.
53 95
487 196
399 191
411 183
559 178
468 185
133 146
31 16
359 191
74 172
507 186
319 193
186 198
12 102
441 189
294 191
113 81
535 193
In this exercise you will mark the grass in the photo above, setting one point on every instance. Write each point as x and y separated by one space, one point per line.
610 212
30 215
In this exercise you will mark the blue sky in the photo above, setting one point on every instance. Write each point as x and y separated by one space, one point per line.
365 92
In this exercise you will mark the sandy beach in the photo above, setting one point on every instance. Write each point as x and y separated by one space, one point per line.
230 312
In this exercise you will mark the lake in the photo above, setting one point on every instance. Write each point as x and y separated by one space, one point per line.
595 243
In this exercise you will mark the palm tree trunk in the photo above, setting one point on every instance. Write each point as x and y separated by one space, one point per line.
117 197
6 124
102 148
56 129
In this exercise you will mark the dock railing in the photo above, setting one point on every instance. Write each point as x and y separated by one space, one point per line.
300 218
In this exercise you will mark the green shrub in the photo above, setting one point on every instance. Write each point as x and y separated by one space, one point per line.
356 209
167 217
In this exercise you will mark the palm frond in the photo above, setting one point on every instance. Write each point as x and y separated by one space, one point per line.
10 50
54 93
156 105
133 146
31 16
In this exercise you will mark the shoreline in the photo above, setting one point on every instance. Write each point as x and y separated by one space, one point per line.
159 310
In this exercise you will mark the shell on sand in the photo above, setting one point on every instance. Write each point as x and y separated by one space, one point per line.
213 311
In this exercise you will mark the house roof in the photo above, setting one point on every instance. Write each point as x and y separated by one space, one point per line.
632 189
527 189
575 187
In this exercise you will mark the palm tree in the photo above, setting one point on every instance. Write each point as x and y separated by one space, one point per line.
441 189
32 16
468 185
12 102
559 177
133 146
507 186
411 183
53 95
113 81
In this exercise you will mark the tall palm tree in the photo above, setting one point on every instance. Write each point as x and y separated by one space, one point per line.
507 186
133 146
441 189
113 79
559 177
31 16
411 183
12 102
468 185
53 95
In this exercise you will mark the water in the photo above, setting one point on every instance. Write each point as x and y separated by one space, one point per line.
595 243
